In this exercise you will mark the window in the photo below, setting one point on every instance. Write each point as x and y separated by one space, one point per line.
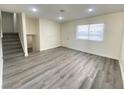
96 32
82 32
90 32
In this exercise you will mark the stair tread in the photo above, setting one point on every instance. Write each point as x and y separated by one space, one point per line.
9 40
10 37
11 46
13 55
10 43
9 33
12 51
5 36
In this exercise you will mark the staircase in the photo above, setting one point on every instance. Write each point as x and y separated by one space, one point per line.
11 46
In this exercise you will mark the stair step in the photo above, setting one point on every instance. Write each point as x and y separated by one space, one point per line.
11 43
10 40
12 51
15 33
7 57
10 36
11 47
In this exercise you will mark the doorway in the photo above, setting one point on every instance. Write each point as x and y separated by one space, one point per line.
31 43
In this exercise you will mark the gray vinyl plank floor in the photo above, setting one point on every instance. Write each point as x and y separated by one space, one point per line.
61 68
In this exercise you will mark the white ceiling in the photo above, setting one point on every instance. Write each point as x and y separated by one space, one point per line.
72 11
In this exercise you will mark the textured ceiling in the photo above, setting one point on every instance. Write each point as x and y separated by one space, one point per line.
72 11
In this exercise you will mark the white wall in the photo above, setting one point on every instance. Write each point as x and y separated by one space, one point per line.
1 63
7 22
46 32
111 45
32 29
1 53
49 32
21 27
15 22
122 58
31 25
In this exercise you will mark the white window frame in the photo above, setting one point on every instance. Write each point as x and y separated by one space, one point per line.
89 25
77 33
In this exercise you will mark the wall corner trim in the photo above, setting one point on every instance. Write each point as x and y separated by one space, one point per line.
122 71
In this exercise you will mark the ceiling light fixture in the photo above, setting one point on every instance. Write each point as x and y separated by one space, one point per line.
34 9
90 10
60 17
61 13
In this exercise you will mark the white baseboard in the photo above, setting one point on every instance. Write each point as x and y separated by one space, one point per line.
50 47
122 71
108 56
